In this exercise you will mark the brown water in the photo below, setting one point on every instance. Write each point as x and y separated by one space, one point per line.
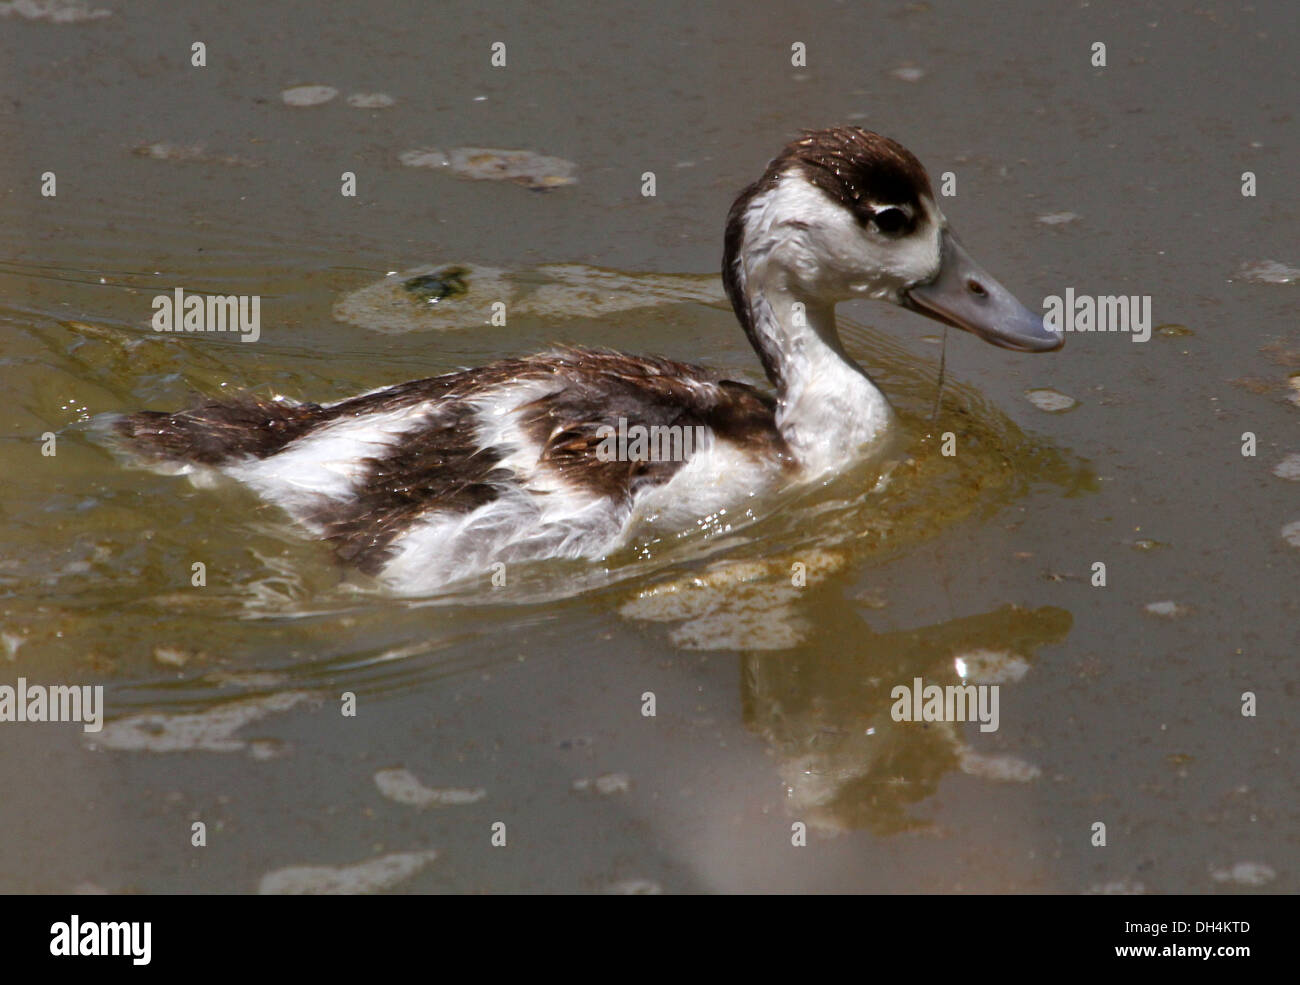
524 705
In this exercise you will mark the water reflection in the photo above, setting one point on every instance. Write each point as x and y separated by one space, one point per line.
824 711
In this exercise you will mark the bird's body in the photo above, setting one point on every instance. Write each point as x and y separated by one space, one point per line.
431 481
565 454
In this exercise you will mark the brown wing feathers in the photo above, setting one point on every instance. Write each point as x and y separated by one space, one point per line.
439 465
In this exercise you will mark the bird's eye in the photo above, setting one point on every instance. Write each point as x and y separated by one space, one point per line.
891 221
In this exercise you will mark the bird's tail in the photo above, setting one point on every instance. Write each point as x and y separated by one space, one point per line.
215 433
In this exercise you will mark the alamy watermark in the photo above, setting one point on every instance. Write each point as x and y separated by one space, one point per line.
921 702
55 703
102 938
653 443
179 312
1099 313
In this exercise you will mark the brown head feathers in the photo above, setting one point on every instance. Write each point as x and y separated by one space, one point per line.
857 169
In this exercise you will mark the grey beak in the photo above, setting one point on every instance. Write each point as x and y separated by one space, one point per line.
965 296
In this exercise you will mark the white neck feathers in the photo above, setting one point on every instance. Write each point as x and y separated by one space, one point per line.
828 410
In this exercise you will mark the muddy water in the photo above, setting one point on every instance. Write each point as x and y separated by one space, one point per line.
770 644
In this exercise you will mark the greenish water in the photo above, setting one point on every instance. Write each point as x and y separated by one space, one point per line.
772 690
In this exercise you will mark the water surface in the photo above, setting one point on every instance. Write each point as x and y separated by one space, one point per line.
772 698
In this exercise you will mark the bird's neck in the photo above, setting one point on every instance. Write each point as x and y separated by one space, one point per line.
828 410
